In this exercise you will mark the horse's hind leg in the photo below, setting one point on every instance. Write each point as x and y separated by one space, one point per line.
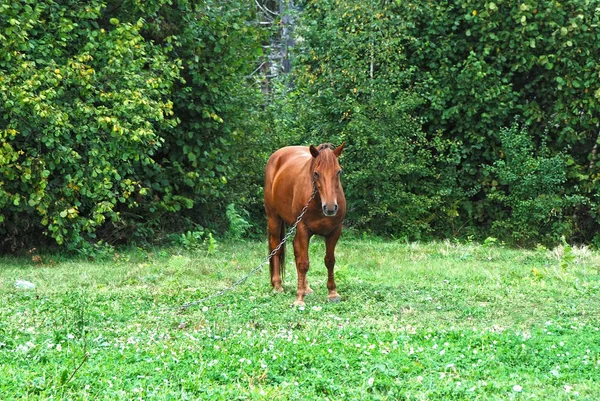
275 227
330 243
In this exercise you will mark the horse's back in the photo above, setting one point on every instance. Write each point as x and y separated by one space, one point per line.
288 154
282 173
287 160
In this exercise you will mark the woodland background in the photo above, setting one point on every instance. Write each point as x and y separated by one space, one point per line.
145 122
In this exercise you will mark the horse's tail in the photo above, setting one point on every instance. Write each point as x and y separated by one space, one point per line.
280 254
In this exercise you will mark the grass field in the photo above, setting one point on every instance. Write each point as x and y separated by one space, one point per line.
435 321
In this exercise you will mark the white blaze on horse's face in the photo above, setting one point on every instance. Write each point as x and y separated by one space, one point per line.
326 175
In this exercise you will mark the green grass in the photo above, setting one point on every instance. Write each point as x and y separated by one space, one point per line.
432 321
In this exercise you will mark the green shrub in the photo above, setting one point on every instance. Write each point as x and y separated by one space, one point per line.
351 84
81 108
212 156
479 65
391 181
466 69
119 120
238 225
528 194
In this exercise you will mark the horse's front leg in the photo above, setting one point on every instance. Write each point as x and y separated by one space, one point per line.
274 226
301 241
330 243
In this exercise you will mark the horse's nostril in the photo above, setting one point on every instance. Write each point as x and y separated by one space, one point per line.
330 212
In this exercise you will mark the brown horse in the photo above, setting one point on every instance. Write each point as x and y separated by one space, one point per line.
290 177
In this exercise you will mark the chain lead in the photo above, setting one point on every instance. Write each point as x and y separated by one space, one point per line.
260 266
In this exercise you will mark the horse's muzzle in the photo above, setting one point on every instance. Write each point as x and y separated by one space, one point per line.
330 211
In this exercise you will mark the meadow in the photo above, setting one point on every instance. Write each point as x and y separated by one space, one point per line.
418 321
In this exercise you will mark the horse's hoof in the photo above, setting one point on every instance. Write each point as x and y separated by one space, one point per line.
308 291
278 290
335 299
299 304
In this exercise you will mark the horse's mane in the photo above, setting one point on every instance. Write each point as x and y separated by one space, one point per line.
325 155
324 146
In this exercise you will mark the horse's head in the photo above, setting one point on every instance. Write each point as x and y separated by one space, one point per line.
326 175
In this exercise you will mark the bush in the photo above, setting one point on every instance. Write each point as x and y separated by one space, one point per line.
466 69
528 191
350 84
479 65
81 108
212 157
121 120
391 180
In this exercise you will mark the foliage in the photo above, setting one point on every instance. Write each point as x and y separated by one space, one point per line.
529 187
477 326
350 82
466 69
568 257
216 103
478 65
117 116
197 240
81 110
238 225
191 240
129 121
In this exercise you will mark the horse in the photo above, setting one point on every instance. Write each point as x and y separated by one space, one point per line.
292 174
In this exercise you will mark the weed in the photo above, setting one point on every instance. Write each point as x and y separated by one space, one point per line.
238 225
211 244
490 241
196 240
568 257
191 240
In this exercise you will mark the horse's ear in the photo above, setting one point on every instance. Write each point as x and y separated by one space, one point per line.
314 151
338 151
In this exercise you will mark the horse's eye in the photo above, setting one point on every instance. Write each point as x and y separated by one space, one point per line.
339 172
